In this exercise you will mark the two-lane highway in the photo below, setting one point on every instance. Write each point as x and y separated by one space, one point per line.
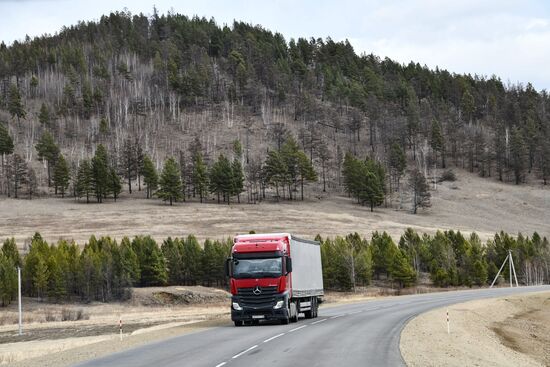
357 334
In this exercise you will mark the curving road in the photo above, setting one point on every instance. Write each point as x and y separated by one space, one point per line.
360 334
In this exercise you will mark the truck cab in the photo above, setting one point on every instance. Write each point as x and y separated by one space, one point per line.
261 272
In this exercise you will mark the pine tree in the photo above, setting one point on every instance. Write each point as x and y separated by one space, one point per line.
324 157
172 251
129 263
61 175
150 176
100 173
305 170
437 142
6 145
220 178
9 249
47 151
192 257
40 277
129 162
44 115
518 154
140 160
237 178
32 182
151 262
8 280
84 180
15 105
275 170
397 162
420 190
401 270
115 186
170 182
200 176
17 173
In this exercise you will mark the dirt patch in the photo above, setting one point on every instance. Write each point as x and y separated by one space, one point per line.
528 332
508 331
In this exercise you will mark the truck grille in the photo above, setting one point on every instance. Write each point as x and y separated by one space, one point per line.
265 298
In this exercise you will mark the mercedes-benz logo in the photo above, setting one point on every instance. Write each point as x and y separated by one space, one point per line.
257 291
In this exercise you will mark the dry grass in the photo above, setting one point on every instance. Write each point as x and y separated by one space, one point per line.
468 204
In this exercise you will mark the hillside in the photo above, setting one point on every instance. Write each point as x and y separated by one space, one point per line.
469 204
174 86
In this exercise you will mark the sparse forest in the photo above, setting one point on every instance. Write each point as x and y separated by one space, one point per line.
104 270
186 109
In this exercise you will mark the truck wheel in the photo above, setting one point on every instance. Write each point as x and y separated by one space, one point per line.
315 308
238 323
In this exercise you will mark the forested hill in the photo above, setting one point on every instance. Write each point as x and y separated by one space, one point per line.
174 86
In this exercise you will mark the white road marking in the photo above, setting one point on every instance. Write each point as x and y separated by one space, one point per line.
316 322
337 316
221 364
353 313
298 328
244 351
273 337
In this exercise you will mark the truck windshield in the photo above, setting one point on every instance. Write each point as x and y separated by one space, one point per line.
258 268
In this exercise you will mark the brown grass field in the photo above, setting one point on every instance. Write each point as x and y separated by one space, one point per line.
469 204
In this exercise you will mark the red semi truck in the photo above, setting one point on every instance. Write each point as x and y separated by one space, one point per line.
274 276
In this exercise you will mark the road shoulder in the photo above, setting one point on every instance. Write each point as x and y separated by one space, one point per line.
482 333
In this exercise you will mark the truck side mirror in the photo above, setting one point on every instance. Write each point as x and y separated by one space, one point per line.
227 267
288 265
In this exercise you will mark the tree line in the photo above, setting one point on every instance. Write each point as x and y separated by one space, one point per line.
450 259
105 270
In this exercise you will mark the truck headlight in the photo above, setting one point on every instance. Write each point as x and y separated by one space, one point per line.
278 305
237 307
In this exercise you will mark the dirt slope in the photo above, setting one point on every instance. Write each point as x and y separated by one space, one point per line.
469 204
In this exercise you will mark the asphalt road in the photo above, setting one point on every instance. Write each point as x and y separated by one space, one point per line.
360 334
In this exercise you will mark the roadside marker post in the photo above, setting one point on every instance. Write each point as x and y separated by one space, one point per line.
448 324
19 300
120 327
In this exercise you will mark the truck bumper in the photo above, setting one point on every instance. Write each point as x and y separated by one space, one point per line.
259 314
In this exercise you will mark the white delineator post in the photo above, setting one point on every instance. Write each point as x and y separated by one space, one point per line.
19 297
448 324
120 327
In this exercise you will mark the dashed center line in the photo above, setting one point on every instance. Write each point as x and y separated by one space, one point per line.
317 322
298 328
337 316
355 312
273 337
244 351
221 364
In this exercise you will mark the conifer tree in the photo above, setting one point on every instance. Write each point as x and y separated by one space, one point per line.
170 186
61 176
221 179
100 173
237 179
150 176
15 105
129 162
8 280
17 174
275 170
397 162
9 249
115 186
306 171
84 180
44 115
6 144
129 263
140 160
200 176
173 253
518 154
324 157
420 190
437 141
40 277
47 151
32 182
192 258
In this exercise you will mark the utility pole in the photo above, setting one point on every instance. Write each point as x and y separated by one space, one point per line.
512 270
19 294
